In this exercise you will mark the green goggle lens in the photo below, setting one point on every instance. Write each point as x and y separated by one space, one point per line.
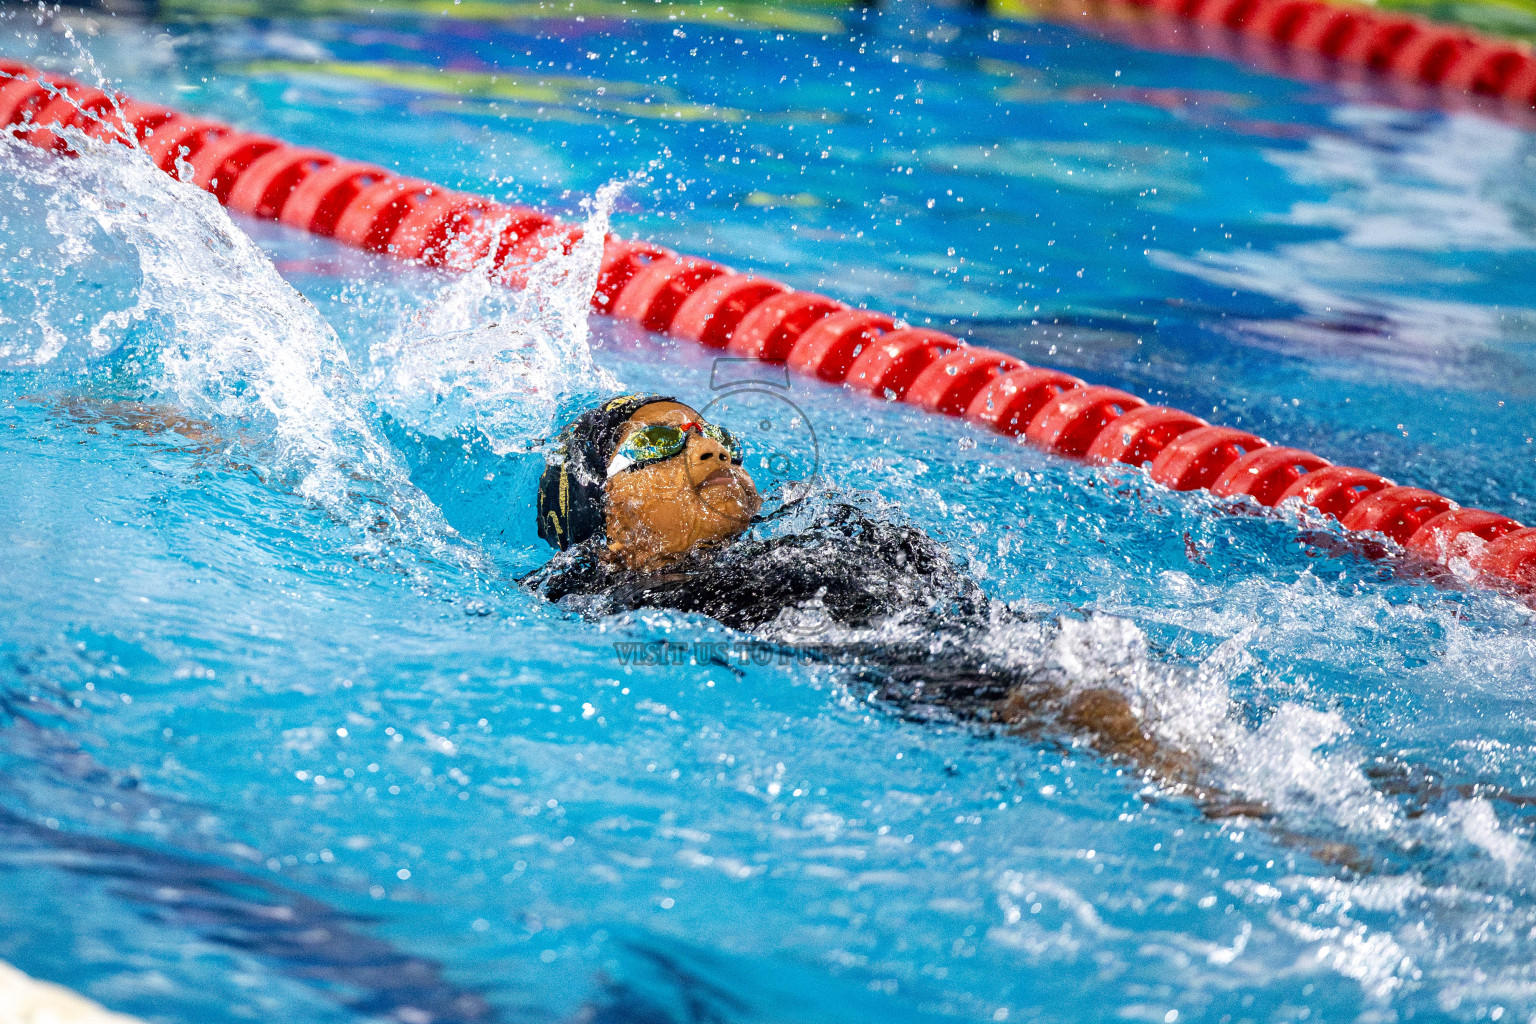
663 440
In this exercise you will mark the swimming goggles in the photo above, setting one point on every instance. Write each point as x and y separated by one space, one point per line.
661 441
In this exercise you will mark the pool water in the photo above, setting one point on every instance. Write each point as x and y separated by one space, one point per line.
283 739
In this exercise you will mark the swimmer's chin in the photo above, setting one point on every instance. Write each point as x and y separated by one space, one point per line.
728 495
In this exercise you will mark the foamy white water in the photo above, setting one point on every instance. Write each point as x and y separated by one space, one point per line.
234 343
498 363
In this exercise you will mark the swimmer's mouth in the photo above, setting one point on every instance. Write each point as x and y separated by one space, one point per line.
719 478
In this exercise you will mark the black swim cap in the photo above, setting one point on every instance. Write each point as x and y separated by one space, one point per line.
572 504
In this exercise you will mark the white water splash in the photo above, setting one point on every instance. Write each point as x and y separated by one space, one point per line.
1285 763
228 339
486 360
1301 765
1477 823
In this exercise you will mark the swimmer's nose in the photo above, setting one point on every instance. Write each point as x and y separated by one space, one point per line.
705 455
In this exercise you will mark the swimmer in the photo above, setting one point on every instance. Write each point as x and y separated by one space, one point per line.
651 507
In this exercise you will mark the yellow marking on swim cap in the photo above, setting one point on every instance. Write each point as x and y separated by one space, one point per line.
615 403
559 533
565 491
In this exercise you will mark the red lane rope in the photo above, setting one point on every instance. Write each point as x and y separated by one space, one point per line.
1458 61
712 305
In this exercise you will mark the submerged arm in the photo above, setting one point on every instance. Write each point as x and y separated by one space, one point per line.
142 417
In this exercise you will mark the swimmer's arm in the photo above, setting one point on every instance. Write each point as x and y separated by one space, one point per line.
1104 717
1107 719
141 417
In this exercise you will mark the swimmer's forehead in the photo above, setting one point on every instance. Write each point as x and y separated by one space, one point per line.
674 413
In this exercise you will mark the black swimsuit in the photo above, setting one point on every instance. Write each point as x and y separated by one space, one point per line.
883 598
889 604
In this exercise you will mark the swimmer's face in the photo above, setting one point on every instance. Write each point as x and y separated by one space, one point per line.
662 510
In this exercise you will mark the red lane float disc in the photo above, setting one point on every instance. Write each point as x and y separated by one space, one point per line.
1068 424
949 384
1266 474
19 99
262 190
1378 49
316 202
181 137
655 294
64 111
622 260
370 219
831 345
1010 401
1332 29
554 239
1512 557
531 236
1286 21
129 123
709 316
1194 460
1521 86
772 330
429 223
1140 435
1396 512
1429 56
218 165
1451 534
1490 71
888 366
57 112
1335 490
1259 20
1226 14
506 235
516 237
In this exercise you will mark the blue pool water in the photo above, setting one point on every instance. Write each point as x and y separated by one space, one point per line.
284 740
